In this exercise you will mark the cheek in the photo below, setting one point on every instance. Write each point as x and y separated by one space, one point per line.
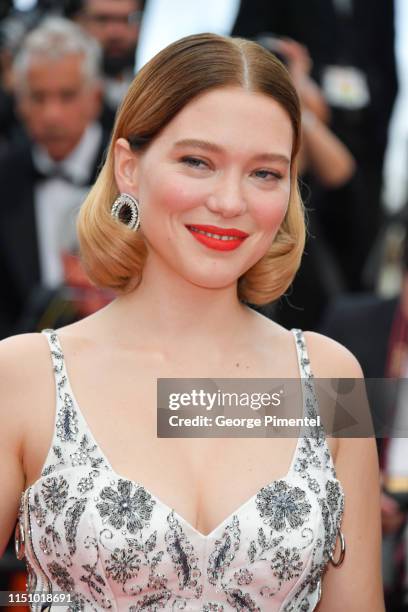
269 214
79 109
173 196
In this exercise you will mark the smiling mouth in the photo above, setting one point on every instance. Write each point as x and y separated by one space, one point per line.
217 236
222 239
221 233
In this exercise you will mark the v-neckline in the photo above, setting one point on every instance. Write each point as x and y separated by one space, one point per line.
158 501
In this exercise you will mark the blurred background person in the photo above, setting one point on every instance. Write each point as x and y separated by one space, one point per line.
13 27
375 329
359 81
73 299
42 179
115 25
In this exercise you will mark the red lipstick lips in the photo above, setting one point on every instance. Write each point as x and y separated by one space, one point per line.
218 238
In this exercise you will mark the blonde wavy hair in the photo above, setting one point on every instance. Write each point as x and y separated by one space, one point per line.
112 254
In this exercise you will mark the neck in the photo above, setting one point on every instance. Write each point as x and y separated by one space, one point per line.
168 311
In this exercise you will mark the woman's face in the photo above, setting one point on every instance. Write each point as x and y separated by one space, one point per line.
220 167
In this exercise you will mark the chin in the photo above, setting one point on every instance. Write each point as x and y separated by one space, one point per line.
58 153
213 281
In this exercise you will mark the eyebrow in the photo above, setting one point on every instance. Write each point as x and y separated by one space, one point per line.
211 146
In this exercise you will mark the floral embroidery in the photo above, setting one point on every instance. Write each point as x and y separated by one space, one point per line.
77 603
244 576
286 563
95 583
45 545
115 536
241 601
55 493
121 508
56 450
152 603
39 512
282 505
123 564
84 454
333 495
85 484
61 576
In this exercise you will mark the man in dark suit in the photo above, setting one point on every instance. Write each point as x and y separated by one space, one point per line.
363 324
44 180
115 25
375 329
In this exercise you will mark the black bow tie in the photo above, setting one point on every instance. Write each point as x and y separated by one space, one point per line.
60 173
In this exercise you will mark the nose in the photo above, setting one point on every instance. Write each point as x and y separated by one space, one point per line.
227 198
115 28
53 112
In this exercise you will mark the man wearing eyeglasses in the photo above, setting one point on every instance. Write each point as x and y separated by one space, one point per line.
116 27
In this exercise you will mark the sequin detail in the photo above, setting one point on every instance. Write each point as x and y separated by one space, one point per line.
113 545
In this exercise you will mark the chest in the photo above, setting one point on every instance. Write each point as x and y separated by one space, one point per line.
115 403
90 526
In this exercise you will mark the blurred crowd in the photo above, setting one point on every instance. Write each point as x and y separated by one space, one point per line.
64 68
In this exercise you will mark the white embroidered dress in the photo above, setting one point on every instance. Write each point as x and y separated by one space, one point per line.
112 545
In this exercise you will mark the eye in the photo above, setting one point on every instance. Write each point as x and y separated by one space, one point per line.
268 175
68 95
37 97
194 162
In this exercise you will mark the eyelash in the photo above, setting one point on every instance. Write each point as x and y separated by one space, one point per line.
194 162
275 175
191 161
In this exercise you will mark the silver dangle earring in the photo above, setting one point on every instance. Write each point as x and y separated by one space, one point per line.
126 210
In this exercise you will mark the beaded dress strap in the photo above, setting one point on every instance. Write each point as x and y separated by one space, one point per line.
57 355
303 357
67 418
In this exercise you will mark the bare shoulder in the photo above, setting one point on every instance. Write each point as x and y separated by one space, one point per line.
330 359
24 371
22 354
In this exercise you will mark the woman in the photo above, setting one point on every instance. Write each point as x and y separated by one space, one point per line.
205 145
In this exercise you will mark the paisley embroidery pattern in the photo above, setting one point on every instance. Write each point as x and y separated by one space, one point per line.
114 546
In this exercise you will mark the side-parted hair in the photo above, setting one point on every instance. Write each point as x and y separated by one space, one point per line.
112 254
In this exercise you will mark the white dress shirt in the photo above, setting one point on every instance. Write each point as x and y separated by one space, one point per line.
57 202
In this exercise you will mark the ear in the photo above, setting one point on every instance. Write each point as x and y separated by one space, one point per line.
126 168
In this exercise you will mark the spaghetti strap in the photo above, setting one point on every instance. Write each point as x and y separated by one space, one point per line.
55 351
66 424
303 357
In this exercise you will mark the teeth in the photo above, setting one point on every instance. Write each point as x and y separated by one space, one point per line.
217 236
